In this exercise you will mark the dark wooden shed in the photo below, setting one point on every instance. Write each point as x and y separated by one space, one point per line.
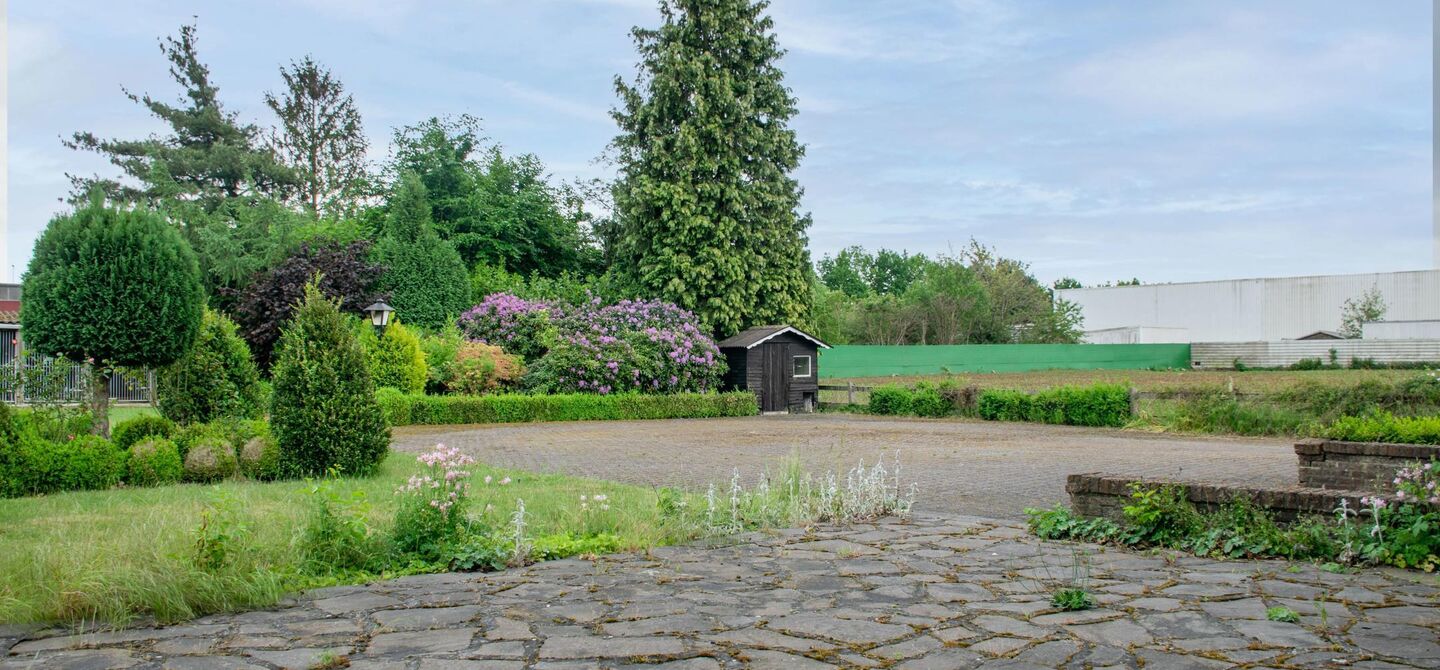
780 364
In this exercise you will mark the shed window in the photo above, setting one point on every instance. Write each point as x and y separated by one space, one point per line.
800 366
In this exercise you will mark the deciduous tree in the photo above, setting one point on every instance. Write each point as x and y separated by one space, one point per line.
345 274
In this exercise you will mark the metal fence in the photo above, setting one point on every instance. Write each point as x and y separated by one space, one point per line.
33 378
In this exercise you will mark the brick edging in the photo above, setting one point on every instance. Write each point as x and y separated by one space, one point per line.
1102 494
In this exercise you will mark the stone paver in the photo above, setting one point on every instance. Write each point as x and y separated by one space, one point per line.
808 599
988 469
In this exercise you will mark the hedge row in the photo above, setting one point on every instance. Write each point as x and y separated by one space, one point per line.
1385 427
405 409
897 400
1097 405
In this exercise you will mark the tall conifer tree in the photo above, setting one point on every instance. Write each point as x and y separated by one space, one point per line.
707 205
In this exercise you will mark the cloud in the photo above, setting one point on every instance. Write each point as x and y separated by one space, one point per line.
1245 69
966 32
554 103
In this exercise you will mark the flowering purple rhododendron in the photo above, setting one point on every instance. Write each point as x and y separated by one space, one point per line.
517 325
644 346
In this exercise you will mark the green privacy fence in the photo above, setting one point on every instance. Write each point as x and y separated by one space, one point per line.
868 360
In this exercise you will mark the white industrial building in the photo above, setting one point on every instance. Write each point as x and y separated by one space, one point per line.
1253 310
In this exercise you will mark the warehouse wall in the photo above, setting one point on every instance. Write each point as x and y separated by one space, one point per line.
1253 310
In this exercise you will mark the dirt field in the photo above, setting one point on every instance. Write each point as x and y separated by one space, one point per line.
982 468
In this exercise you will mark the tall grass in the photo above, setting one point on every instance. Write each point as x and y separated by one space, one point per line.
1302 409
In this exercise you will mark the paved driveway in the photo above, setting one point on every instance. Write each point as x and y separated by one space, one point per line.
984 469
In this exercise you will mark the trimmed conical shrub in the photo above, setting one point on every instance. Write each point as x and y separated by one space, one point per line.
323 412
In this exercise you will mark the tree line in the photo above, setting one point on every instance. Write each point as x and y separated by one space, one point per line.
973 297
703 213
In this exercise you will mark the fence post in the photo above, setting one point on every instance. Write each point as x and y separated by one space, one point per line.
850 393
1134 402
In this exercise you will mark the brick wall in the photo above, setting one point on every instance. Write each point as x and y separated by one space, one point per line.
1104 495
1356 466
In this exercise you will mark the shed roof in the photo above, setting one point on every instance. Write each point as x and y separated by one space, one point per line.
1322 335
748 338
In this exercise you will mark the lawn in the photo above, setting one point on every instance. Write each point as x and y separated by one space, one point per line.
120 413
1143 380
113 555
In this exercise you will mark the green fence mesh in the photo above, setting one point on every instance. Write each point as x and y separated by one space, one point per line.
864 360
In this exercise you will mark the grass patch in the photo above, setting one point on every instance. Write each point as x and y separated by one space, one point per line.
120 413
112 555
177 552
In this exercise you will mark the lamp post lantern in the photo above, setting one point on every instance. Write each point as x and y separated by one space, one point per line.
379 314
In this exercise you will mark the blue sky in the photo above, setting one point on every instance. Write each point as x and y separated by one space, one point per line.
1170 141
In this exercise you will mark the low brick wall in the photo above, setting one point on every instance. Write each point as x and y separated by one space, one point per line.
1356 466
1105 495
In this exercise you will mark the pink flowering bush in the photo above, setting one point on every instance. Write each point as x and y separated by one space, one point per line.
641 346
1404 528
432 504
521 327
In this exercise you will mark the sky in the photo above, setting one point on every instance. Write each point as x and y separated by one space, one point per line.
1162 140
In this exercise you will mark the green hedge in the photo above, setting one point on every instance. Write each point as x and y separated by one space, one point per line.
923 400
1097 405
1385 427
405 409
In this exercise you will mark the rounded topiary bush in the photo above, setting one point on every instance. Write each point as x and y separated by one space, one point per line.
210 459
259 457
216 379
26 462
132 431
186 437
111 283
324 413
154 461
87 462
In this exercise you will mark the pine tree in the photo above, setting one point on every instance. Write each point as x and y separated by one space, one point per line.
320 137
209 174
706 201
209 158
424 275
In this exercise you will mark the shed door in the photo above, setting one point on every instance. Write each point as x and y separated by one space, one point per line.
776 378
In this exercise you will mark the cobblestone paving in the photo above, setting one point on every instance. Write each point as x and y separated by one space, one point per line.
985 469
938 592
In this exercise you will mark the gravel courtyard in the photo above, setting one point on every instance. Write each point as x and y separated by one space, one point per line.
985 469
941 592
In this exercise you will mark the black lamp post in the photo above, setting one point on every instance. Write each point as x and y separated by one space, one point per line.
379 314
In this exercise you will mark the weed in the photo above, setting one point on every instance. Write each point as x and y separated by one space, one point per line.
1072 599
1282 614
